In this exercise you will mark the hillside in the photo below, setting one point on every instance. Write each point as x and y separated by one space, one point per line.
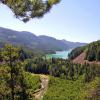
28 77
89 53
60 89
36 43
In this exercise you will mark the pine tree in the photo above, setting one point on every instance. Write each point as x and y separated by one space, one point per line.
27 9
11 58
10 55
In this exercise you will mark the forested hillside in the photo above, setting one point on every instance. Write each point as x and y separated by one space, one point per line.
92 52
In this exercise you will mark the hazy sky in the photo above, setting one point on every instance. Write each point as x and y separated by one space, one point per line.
73 20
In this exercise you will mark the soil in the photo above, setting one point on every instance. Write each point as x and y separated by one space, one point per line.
44 85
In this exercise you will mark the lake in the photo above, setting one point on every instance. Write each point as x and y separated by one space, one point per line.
59 54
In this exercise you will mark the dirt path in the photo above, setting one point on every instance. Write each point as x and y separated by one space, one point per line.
80 59
44 84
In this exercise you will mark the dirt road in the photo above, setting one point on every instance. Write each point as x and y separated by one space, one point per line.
44 84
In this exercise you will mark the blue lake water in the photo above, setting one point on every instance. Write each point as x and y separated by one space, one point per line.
59 54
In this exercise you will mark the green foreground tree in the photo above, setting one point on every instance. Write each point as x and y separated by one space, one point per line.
10 56
11 59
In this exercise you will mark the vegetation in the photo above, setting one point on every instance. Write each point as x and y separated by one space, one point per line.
27 9
62 68
68 81
17 82
92 51
31 84
60 89
75 52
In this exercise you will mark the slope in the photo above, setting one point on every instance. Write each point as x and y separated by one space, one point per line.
89 53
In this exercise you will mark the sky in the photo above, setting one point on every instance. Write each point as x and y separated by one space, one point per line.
73 20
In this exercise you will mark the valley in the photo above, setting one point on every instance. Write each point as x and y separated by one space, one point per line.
51 57
69 71
71 74
37 78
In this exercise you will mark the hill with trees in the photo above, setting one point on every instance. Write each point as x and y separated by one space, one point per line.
90 52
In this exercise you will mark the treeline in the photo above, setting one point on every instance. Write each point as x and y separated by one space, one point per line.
62 68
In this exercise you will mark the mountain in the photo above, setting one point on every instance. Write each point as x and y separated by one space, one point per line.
36 43
73 44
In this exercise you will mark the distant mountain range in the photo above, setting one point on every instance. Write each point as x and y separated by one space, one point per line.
36 43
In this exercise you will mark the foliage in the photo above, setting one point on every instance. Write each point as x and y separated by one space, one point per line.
18 84
32 83
60 89
27 9
62 68
15 83
92 51
75 52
